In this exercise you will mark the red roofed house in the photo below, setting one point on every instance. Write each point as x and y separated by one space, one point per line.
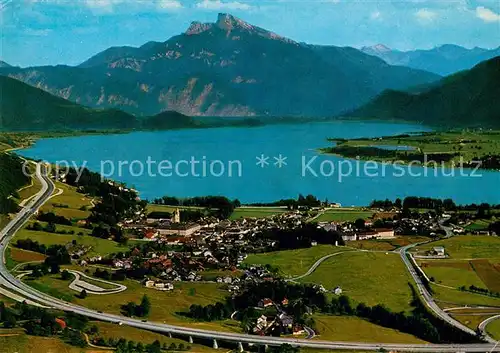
61 323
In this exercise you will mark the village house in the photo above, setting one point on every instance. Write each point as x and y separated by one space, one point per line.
349 237
261 323
439 250
264 303
298 330
161 286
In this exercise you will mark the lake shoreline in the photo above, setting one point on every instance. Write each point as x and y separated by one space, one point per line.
255 183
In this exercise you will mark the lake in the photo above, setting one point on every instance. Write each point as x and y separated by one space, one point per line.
224 161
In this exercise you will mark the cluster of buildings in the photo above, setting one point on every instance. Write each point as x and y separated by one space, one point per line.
159 285
274 317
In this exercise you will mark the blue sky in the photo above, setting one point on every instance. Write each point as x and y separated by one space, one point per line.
49 32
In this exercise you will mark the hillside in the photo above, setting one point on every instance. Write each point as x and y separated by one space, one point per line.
468 98
443 60
11 179
23 107
26 108
226 68
168 120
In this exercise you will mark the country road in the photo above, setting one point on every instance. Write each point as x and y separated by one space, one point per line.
22 289
316 265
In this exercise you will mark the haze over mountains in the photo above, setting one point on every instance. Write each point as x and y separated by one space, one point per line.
444 60
226 68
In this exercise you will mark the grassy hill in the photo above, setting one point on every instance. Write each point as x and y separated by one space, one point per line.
468 98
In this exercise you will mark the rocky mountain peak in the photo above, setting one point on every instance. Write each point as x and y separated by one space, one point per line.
198 27
377 48
381 48
228 22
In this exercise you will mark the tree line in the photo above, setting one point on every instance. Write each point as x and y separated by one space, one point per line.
117 201
293 204
431 203
51 217
301 237
43 322
480 290
220 206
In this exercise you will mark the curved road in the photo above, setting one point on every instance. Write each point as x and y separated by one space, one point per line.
316 265
9 281
78 286
482 326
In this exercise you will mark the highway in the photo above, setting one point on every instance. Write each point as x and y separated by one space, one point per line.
22 289
424 293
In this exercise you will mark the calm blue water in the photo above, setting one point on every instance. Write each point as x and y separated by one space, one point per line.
256 184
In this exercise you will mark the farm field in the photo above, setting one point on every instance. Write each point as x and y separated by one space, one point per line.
447 298
493 329
293 262
166 306
468 247
488 272
257 212
471 321
341 328
452 273
23 343
343 215
99 246
76 205
480 224
20 255
386 244
369 277
108 330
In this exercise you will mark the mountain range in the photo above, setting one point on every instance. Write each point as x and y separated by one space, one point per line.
226 68
467 98
443 60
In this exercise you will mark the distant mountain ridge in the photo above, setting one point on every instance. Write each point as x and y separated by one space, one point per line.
443 60
468 98
226 68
